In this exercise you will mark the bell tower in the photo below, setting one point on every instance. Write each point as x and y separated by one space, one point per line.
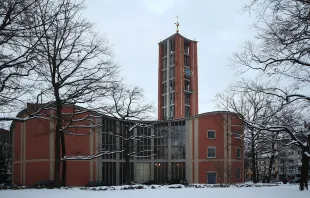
177 77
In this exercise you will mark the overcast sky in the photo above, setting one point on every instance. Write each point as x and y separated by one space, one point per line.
135 27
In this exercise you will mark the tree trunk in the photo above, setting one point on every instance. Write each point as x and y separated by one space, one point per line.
271 161
64 162
253 162
270 168
57 145
257 169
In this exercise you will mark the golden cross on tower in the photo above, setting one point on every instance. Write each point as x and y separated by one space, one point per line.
177 24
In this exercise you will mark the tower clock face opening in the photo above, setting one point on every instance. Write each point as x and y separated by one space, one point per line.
187 72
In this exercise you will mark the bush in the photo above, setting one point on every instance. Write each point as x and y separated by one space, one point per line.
175 186
128 188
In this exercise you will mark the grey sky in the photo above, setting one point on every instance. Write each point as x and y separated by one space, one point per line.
135 27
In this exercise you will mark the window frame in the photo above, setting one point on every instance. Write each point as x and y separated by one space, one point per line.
239 153
211 157
214 134
238 176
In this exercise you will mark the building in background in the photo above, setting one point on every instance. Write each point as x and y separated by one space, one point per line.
289 161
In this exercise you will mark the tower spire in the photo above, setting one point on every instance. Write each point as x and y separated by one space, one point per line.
177 24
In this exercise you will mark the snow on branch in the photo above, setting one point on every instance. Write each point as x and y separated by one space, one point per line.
277 129
30 117
84 126
140 137
113 134
146 156
90 157
76 134
136 154
297 97
306 153
140 125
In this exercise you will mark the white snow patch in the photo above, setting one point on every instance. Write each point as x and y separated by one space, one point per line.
283 191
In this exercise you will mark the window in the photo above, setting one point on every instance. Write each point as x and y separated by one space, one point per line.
165 113
187 99
165 100
211 152
172 111
237 135
187 111
164 46
164 75
164 63
186 47
211 134
187 85
186 60
172 72
238 174
164 87
172 85
238 153
172 45
172 59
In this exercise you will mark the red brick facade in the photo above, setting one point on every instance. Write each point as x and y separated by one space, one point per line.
225 163
33 151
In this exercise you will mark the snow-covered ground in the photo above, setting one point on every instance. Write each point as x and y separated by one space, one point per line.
283 191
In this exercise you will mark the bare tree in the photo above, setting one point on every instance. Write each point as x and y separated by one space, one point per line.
281 51
17 21
252 107
72 66
281 46
129 107
258 107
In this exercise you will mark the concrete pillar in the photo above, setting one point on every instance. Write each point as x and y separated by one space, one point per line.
117 166
229 145
225 149
98 140
189 152
135 149
152 157
91 149
196 141
169 150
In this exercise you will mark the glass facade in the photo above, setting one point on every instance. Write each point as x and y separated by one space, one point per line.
157 153
108 141
161 172
178 140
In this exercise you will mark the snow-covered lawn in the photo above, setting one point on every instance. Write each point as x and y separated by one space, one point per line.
283 191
